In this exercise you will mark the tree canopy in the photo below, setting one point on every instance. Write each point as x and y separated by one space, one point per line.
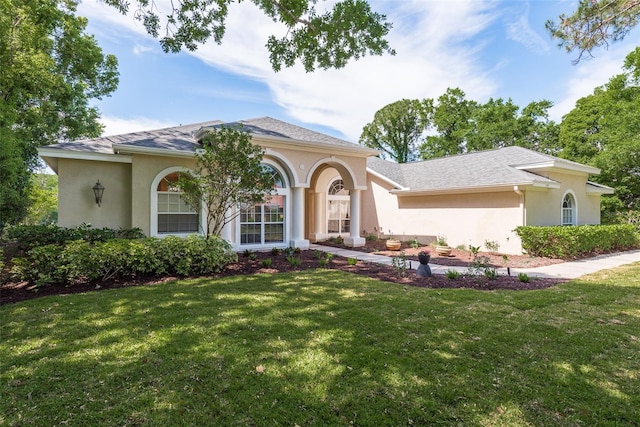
408 130
50 71
324 39
460 125
595 23
604 130
397 128
228 176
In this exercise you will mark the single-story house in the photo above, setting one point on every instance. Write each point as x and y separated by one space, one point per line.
328 187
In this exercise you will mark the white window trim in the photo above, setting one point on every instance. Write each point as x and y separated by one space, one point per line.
574 216
153 224
286 192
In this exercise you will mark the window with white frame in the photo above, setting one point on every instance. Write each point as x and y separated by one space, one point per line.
338 208
174 215
568 210
265 223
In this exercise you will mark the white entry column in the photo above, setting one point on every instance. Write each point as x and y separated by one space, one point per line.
354 239
297 220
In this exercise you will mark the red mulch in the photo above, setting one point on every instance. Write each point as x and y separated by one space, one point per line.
11 292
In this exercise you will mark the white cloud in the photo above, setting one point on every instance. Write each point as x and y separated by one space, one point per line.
431 56
139 49
431 38
120 125
520 31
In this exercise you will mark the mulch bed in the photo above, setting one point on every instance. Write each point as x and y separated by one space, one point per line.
11 292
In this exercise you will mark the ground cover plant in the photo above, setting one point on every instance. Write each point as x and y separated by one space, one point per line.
324 347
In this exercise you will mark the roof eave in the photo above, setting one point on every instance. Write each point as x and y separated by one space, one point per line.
539 185
130 149
559 164
50 156
594 189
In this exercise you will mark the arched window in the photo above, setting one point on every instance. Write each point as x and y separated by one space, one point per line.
568 210
265 223
338 208
174 216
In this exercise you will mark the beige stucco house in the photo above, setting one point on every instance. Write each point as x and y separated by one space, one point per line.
327 187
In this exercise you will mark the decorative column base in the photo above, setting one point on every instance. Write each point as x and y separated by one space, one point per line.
302 244
317 237
354 242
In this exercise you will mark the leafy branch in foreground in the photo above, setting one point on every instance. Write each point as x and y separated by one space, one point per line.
324 39
594 23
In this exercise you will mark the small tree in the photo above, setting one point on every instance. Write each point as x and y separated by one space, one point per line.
228 176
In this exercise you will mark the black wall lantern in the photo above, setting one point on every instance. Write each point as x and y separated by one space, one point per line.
98 190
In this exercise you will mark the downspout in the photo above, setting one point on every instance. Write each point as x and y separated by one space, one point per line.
522 210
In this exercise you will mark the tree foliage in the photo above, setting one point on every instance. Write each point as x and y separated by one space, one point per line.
604 130
407 130
322 39
50 70
43 195
397 128
228 176
462 126
452 123
595 23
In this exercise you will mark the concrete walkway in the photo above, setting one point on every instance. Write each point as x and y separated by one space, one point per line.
565 270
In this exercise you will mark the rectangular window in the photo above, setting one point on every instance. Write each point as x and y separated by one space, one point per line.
263 223
567 216
175 216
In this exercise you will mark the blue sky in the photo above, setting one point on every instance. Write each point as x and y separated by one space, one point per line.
489 49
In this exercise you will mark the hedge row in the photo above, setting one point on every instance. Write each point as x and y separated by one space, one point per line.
31 236
80 261
571 242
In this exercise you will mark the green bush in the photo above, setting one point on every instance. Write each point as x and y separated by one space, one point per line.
41 266
30 236
80 261
574 241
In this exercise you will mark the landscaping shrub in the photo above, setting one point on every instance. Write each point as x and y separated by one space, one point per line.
573 241
80 261
30 236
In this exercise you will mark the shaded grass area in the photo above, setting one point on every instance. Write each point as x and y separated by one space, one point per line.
325 348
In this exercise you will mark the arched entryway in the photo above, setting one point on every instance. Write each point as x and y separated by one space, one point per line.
334 202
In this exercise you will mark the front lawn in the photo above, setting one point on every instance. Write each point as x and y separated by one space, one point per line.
325 348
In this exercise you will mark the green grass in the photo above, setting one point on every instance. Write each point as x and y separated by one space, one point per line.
325 348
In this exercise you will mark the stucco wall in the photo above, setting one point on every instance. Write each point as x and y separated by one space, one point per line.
466 219
544 207
76 202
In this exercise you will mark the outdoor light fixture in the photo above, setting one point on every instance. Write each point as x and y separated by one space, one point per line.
98 189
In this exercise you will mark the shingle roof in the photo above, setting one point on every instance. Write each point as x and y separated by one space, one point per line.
267 126
181 138
498 167
177 138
